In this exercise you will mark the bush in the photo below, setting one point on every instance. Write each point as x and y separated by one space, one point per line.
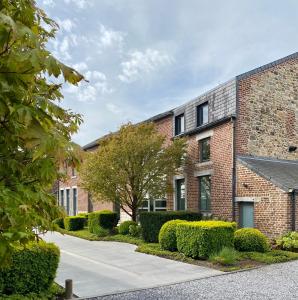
226 256
288 241
167 235
124 227
105 219
135 230
32 269
59 222
204 238
251 239
151 222
74 223
85 215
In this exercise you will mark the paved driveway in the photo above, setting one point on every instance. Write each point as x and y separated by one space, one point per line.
99 268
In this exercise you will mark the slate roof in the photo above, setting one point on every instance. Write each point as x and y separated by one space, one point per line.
282 173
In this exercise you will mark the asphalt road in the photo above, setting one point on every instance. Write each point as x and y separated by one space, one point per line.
274 282
99 268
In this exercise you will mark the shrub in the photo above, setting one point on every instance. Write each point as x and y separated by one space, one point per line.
124 227
167 235
135 230
226 256
74 223
288 241
201 239
105 219
59 222
85 215
151 222
32 269
101 232
251 239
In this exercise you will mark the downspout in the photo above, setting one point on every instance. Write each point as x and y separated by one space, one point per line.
293 202
234 171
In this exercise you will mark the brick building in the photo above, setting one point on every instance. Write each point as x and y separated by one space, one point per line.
242 162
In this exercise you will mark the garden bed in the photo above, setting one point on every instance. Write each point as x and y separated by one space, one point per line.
245 260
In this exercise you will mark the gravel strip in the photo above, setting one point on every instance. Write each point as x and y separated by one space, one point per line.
279 281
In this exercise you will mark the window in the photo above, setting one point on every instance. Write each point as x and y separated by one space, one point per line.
205 186
202 114
67 200
74 200
160 204
246 214
62 198
179 124
73 172
180 194
204 146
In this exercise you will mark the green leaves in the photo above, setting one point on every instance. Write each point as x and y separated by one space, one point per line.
35 131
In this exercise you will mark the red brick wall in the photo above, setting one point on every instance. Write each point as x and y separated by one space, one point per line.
272 215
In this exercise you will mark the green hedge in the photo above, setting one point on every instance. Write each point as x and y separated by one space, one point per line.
204 238
74 223
32 269
288 241
105 219
59 222
124 227
251 239
167 235
85 215
151 222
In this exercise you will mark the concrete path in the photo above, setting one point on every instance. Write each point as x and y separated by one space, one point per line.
100 268
274 282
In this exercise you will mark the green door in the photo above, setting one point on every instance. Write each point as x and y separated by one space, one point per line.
246 214
180 194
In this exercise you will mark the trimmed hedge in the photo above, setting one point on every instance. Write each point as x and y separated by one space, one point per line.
32 269
124 227
74 223
204 238
251 239
105 219
84 215
151 222
167 235
59 222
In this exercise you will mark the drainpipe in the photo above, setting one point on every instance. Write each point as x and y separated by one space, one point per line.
293 201
234 171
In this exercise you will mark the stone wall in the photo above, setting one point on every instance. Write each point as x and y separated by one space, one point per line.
267 121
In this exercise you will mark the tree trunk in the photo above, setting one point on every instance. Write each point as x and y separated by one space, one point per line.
134 214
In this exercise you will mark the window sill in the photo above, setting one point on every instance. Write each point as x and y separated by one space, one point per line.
203 164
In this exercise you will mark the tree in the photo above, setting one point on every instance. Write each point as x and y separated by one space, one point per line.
35 132
131 165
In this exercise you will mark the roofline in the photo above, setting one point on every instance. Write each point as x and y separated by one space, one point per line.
261 174
267 66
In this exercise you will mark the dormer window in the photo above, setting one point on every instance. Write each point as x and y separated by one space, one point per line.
202 114
179 124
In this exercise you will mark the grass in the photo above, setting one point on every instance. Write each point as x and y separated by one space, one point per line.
55 292
227 260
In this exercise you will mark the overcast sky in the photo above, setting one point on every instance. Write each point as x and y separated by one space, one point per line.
143 57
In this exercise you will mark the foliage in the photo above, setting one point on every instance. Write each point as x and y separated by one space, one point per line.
35 132
167 235
135 230
74 223
202 239
83 234
288 241
270 257
102 219
251 239
226 256
131 164
59 222
85 215
32 269
124 227
151 222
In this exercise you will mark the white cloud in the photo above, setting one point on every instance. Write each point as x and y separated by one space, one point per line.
110 38
49 3
143 62
66 24
113 108
79 3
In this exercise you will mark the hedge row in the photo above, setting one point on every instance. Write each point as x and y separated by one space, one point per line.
103 219
201 239
74 223
32 269
151 222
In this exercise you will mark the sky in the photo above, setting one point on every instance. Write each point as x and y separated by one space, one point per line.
144 57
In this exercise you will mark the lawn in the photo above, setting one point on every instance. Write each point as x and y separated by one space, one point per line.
245 260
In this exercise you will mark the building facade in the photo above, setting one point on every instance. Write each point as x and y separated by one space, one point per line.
242 158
